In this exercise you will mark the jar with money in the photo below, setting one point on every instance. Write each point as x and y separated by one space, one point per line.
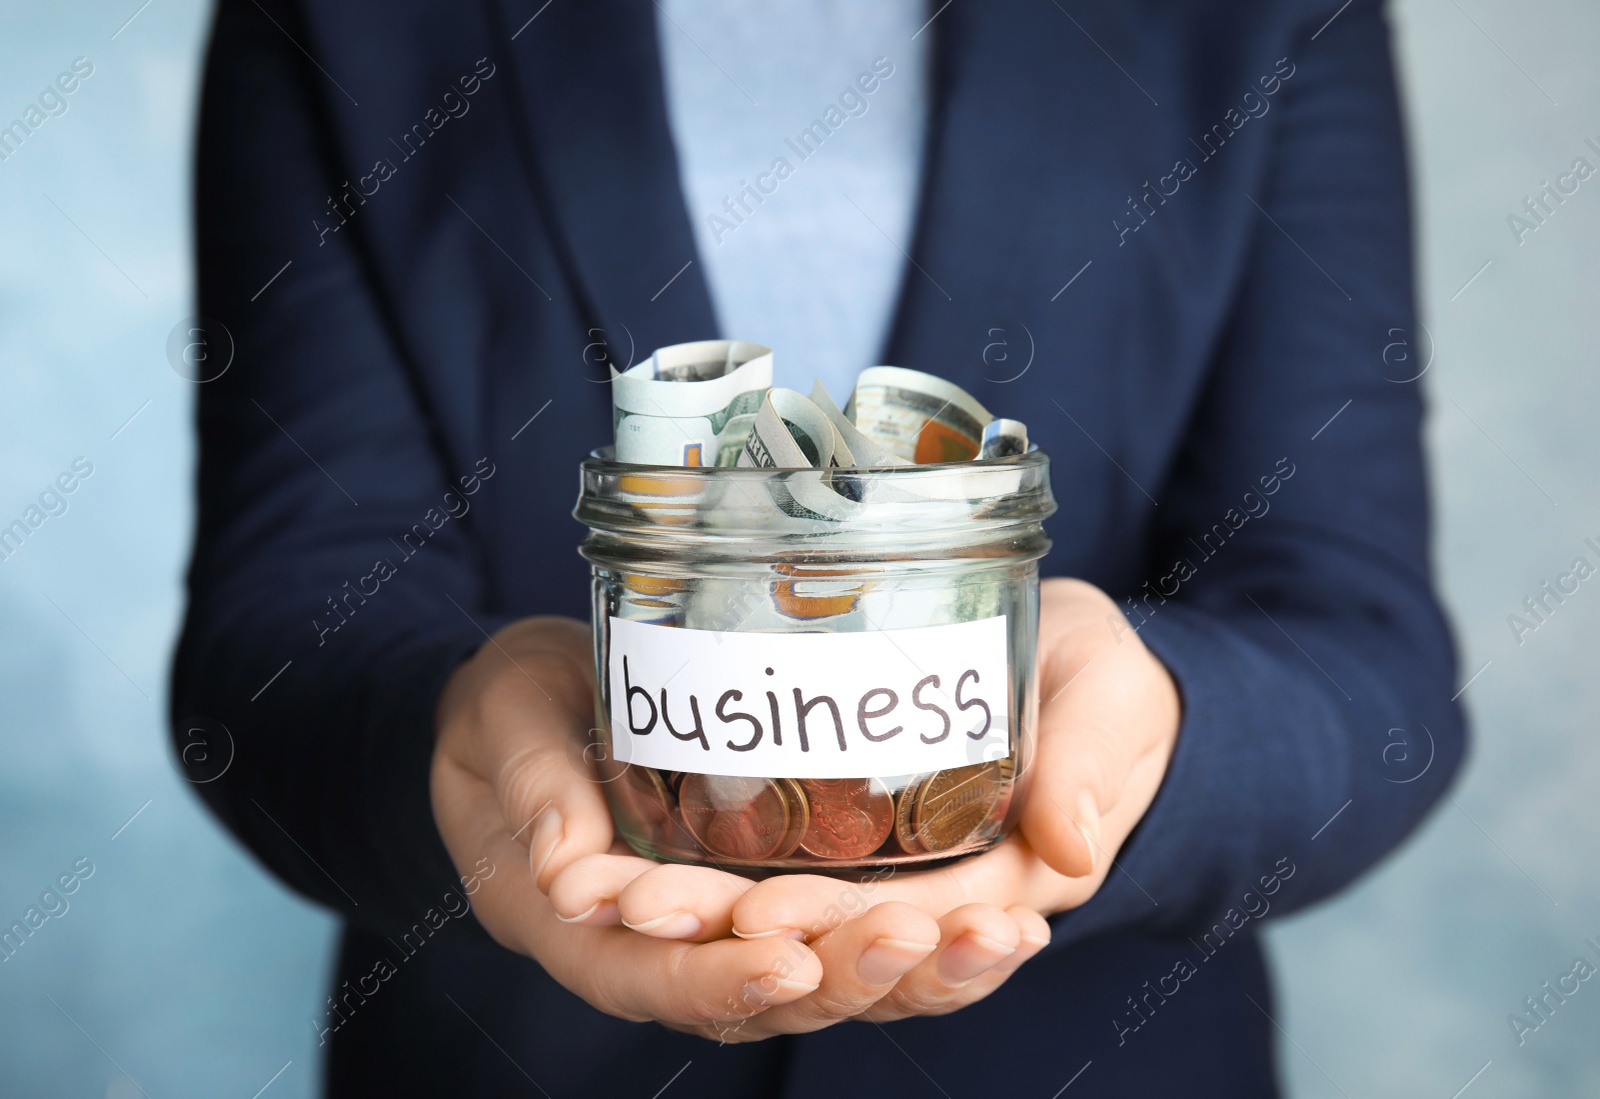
807 664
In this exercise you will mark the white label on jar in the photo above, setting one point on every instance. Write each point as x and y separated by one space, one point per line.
810 705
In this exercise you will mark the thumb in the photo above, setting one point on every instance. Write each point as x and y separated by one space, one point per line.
1107 723
1078 776
553 800
515 729
1093 733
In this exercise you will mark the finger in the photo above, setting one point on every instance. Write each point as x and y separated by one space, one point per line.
803 902
1090 737
586 891
718 985
801 905
1035 932
469 821
519 720
861 961
973 940
689 986
681 902
559 809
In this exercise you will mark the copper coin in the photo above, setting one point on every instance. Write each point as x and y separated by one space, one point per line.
905 833
850 817
799 816
746 819
954 804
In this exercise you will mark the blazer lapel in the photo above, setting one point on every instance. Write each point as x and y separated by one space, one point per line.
598 151
1019 291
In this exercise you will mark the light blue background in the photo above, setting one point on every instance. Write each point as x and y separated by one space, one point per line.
197 973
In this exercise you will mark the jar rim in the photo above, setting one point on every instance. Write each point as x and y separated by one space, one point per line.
601 459
676 507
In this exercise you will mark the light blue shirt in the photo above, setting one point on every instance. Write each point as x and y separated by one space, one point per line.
799 129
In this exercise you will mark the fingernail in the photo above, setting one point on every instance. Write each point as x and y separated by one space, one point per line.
890 959
1035 941
760 993
546 838
797 986
581 916
987 943
602 913
1088 823
674 925
793 933
969 957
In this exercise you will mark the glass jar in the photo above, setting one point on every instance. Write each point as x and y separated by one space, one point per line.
815 669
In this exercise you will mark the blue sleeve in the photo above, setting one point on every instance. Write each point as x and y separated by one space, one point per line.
336 575
1315 666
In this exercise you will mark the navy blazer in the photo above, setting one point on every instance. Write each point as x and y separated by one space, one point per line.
1171 235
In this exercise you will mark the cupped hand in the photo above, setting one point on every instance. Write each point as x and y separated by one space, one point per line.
506 786
646 941
881 959
714 953
1108 722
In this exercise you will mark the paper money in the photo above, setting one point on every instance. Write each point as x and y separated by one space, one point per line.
829 491
916 416
867 454
790 432
1004 439
711 403
691 404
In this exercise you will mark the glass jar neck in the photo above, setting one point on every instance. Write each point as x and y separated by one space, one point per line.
988 509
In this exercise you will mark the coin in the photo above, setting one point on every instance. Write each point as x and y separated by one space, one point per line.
1008 793
904 833
745 819
954 804
850 817
799 816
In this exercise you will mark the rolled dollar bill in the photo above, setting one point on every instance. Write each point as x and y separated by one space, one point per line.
691 404
919 417
790 432
711 403
1004 438
867 454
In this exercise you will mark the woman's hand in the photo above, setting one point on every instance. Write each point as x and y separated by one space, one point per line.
717 954
882 959
1108 722
505 787
510 783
